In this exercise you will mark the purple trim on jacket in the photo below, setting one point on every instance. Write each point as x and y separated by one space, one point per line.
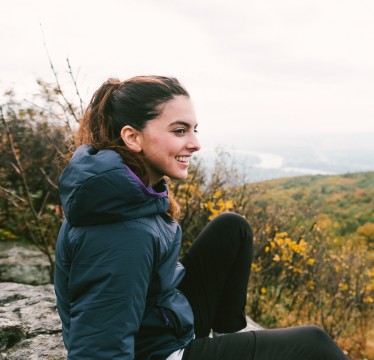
146 189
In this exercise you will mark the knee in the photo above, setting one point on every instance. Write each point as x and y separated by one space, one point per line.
318 336
316 332
234 222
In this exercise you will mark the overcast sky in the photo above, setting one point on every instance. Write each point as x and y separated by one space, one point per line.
252 67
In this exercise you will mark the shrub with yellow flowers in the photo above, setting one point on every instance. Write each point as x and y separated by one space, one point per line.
300 274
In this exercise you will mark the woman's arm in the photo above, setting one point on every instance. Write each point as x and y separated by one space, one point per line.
110 273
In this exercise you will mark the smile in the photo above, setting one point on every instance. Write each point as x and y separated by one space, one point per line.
183 159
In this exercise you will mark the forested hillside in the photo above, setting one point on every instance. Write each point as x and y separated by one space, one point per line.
343 206
338 214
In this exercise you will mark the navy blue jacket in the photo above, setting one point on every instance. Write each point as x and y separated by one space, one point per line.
116 273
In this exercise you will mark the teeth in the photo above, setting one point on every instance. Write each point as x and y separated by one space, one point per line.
182 158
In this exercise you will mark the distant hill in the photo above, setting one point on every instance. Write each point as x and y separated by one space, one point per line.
343 205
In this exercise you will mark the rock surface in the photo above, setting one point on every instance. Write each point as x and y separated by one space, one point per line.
23 264
30 327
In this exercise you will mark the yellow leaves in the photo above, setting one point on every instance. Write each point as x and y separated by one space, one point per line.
267 229
286 256
263 291
255 267
281 235
6 235
218 194
276 258
368 300
218 205
287 250
310 284
297 269
229 204
343 286
367 231
311 261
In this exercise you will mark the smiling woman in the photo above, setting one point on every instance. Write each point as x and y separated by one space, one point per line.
118 118
121 291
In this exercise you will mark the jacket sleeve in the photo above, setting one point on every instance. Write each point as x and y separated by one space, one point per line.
111 269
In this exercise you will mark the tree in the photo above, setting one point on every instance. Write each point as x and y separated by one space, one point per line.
36 140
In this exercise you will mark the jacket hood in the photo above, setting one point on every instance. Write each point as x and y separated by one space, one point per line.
97 187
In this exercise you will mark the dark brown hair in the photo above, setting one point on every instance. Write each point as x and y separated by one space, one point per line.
131 102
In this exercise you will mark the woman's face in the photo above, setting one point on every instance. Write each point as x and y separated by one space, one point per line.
169 140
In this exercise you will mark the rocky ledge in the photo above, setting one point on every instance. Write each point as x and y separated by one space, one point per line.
30 328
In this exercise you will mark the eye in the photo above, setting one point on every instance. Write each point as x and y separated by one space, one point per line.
196 131
180 131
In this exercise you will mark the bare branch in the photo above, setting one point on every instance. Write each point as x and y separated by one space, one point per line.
50 182
41 108
75 85
16 168
12 194
40 213
59 88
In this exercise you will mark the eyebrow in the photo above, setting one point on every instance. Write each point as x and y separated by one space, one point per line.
181 122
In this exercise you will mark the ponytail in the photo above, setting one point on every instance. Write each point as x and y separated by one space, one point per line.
97 124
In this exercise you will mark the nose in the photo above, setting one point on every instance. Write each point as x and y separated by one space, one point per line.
194 144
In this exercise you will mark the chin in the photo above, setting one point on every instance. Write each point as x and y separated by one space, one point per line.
179 176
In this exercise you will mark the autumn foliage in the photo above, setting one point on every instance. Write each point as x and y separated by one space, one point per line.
313 236
308 266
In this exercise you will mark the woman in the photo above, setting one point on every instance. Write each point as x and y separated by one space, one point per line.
121 293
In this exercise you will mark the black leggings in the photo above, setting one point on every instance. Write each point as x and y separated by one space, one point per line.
217 272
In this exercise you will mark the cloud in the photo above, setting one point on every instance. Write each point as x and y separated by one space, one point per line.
255 66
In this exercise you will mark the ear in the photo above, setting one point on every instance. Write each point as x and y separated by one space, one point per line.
132 138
